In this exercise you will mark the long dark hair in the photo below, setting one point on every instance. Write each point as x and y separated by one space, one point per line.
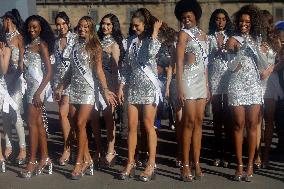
46 33
255 21
146 17
16 18
116 32
212 23
65 17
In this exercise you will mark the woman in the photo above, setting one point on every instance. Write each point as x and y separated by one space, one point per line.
244 90
84 90
63 48
5 53
139 77
192 84
39 40
111 40
12 23
271 89
220 29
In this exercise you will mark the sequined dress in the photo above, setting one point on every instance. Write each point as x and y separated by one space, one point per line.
62 60
194 74
2 95
81 91
244 84
34 72
218 74
139 88
109 63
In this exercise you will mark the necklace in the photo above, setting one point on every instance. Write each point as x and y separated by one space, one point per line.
35 41
11 35
107 41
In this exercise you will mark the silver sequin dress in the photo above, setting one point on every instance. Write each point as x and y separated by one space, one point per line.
81 92
244 84
62 60
139 88
2 95
33 61
108 63
194 74
218 74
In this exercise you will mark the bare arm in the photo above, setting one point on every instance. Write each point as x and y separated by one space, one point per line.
21 56
5 53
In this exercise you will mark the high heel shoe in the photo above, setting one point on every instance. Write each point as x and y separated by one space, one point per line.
2 166
77 175
29 174
185 177
22 160
239 176
217 162
248 177
128 174
65 161
146 178
90 167
198 175
47 164
113 160
8 153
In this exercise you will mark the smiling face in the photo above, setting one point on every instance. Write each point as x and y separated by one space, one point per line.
138 26
61 26
107 26
84 30
188 19
34 29
220 21
245 24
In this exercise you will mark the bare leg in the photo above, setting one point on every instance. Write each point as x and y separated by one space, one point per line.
97 135
110 126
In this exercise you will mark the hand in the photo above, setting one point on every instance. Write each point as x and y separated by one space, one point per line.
110 97
156 28
36 100
2 46
120 96
266 73
167 93
58 93
181 98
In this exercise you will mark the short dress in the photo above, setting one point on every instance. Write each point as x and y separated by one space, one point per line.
218 73
139 88
244 84
62 61
194 74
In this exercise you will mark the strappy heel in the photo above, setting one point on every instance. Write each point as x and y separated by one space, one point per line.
8 153
185 177
112 162
198 176
65 161
46 168
248 177
21 161
145 177
124 175
239 176
89 167
2 166
77 175
29 174
217 162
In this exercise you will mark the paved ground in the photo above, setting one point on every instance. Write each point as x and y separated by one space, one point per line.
167 174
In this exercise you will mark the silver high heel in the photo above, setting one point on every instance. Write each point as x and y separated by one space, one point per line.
29 174
77 175
2 166
47 164
186 177
248 177
90 167
113 160
146 178
126 175
239 177
63 162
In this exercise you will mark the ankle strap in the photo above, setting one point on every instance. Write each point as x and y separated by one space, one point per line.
33 163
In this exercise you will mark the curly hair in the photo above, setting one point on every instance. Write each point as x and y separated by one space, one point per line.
188 6
255 21
16 18
46 33
93 45
147 18
212 23
116 32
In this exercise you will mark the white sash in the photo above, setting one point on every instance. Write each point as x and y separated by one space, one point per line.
7 100
149 73
204 54
89 78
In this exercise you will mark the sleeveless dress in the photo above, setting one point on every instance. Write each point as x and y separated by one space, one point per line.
62 61
244 84
139 88
194 74
218 74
